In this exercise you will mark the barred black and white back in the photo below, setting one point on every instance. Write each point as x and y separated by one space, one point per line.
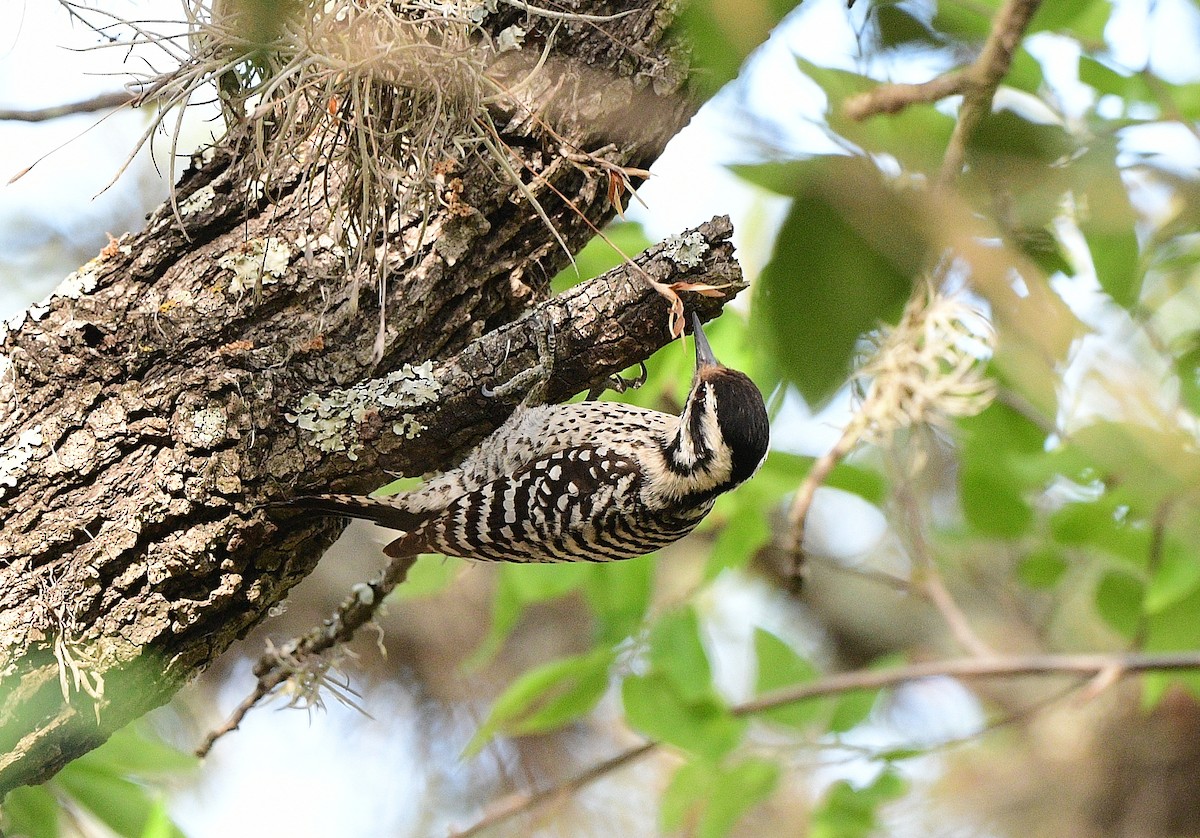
592 481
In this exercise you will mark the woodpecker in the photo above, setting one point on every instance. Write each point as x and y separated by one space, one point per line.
593 481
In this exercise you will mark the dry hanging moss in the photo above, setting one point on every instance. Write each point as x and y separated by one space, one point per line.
381 97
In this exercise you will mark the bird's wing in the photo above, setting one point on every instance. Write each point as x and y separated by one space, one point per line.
573 505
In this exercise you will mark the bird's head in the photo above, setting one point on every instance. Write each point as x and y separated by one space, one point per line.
724 414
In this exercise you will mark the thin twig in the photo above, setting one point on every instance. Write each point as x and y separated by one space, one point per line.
802 502
100 102
893 98
1084 665
278 665
1113 666
983 77
927 576
527 801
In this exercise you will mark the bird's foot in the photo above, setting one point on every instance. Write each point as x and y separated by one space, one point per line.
535 379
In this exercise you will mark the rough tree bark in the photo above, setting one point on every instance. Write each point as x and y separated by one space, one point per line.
144 406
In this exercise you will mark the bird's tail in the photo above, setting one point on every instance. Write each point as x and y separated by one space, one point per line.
387 512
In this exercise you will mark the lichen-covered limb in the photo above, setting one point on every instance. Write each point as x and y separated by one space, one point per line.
142 406
210 544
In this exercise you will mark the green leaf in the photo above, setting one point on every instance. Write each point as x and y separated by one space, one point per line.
1119 601
721 35
1187 367
1042 568
619 594
132 752
966 21
677 652
1083 19
706 799
1130 88
546 698
1002 461
519 586
843 261
400 484
741 788
779 666
1150 465
898 27
686 796
654 706
119 803
1025 73
431 575
744 532
993 503
1024 160
30 811
852 709
867 483
1102 525
849 812
1109 225
1173 629
1176 578
599 255
916 136
158 823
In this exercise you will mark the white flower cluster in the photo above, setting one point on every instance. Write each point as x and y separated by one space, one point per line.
930 368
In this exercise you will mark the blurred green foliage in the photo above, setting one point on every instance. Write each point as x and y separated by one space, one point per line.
118 783
1085 473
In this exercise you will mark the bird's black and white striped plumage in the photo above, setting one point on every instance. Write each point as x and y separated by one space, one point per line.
593 481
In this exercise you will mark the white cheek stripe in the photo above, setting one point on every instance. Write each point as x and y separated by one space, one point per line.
666 485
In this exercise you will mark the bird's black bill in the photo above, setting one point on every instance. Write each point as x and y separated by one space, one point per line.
704 353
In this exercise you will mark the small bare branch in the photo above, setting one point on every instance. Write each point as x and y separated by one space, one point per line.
101 102
527 801
1110 667
983 77
893 98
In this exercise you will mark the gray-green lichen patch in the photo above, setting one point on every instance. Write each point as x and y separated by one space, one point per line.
204 428
333 419
310 244
78 283
511 38
687 250
198 201
15 458
256 261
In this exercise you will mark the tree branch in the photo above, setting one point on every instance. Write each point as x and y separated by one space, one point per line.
100 102
527 801
892 98
982 79
977 83
1111 666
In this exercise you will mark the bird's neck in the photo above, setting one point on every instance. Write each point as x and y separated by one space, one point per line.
693 459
